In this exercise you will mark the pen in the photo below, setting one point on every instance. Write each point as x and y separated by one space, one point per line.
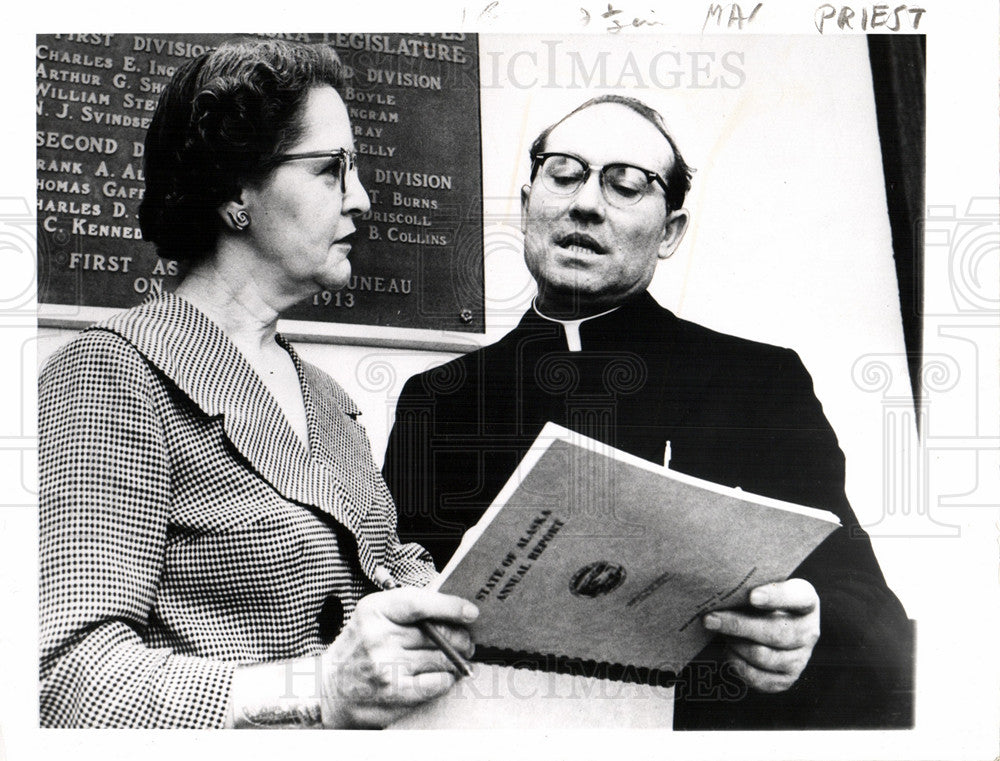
385 580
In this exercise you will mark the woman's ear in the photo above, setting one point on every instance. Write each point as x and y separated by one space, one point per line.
235 215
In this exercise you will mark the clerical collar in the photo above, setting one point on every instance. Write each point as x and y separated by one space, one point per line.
572 327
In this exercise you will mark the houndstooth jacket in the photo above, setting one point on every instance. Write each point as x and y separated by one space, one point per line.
184 527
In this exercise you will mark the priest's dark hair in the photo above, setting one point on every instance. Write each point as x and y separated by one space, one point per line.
678 177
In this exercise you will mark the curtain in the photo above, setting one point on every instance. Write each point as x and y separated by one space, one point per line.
898 75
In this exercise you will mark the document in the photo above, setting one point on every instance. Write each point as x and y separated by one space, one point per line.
590 553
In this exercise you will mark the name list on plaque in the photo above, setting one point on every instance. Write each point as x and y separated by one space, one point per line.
413 100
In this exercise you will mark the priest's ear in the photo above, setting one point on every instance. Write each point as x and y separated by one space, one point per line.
525 197
674 228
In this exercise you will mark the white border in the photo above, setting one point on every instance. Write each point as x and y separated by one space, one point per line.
958 708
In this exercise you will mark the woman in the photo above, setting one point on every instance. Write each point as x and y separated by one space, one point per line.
210 512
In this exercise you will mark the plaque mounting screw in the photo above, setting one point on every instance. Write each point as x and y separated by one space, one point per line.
465 316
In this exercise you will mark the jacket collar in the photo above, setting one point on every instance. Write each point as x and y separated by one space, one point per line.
197 356
634 322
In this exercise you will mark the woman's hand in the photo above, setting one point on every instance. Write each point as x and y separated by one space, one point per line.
770 646
381 665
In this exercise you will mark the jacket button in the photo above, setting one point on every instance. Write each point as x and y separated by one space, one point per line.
330 619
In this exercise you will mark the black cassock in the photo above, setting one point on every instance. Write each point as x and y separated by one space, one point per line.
735 412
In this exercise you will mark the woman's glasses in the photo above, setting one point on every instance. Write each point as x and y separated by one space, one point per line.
346 161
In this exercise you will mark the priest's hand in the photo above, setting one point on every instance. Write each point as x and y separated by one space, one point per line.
770 644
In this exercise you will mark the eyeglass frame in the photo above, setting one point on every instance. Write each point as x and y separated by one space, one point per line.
348 161
539 158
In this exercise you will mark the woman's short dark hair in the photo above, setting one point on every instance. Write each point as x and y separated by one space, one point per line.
678 178
220 122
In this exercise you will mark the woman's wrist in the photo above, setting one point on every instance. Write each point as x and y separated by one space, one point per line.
285 695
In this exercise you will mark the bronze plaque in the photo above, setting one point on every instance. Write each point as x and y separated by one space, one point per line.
414 104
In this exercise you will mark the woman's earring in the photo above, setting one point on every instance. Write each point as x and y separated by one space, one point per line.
240 219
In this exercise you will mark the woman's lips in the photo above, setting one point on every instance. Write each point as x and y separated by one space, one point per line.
347 239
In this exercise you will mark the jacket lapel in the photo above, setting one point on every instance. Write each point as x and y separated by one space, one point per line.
197 356
340 450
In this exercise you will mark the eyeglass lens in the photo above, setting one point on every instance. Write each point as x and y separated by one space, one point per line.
346 161
622 185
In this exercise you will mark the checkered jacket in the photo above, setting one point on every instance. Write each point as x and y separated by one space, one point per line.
184 527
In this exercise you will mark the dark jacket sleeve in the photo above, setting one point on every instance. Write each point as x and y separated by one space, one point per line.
860 673
421 470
